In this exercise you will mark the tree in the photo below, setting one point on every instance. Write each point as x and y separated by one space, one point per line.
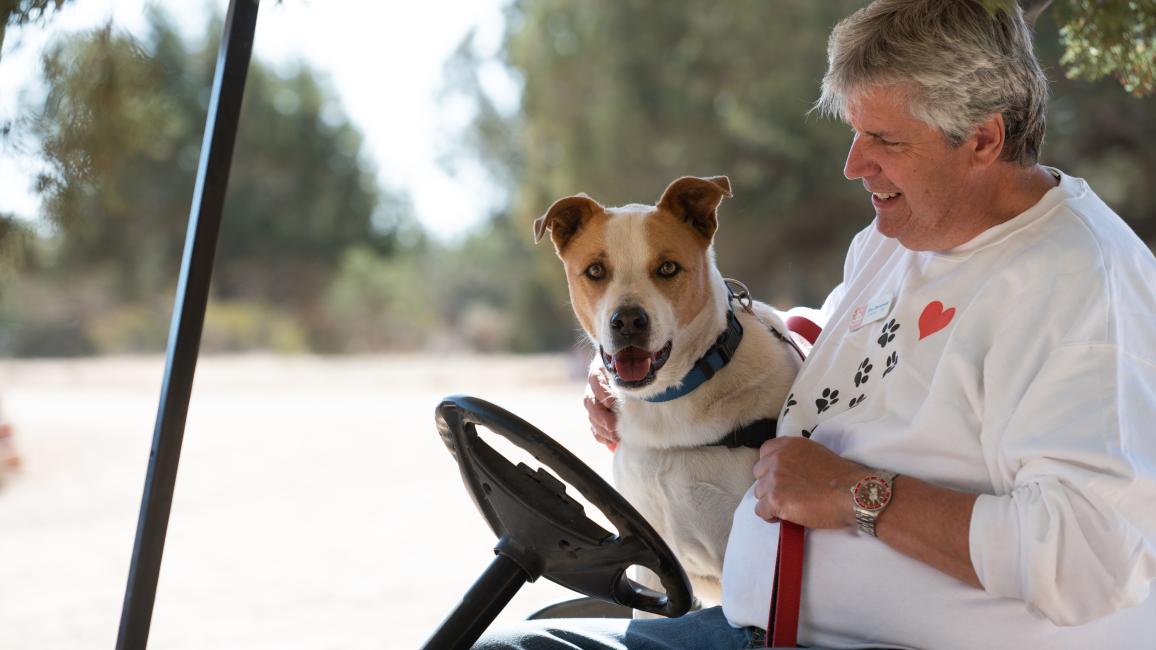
15 13
1110 38
120 130
1098 132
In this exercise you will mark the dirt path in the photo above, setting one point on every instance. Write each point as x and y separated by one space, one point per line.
315 506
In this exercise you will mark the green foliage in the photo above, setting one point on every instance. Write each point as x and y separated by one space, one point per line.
1110 38
499 292
1102 38
229 327
106 133
120 131
42 318
237 327
16 241
482 294
127 328
1099 132
382 302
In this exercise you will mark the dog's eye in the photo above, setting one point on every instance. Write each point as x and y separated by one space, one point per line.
596 271
669 269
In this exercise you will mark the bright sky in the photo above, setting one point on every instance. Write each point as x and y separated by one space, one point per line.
369 50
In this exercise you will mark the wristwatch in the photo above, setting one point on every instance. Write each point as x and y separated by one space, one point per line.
870 496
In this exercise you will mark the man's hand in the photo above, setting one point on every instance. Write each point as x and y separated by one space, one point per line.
806 483
599 402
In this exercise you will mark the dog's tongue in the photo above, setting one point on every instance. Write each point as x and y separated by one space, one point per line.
632 364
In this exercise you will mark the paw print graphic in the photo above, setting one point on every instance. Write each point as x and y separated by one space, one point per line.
863 374
830 398
888 334
856 401
790 402
892 361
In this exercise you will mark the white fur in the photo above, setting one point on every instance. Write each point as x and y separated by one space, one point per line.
686 491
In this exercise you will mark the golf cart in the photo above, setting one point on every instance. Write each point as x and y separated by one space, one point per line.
542 530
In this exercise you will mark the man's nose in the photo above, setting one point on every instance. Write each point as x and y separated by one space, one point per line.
859 163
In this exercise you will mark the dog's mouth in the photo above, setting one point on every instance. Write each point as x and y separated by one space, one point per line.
634 367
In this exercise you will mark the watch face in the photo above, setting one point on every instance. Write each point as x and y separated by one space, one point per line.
872 493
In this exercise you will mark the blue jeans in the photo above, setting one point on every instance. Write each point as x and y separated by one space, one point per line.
706 628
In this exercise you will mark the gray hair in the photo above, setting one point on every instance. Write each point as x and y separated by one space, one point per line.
964 59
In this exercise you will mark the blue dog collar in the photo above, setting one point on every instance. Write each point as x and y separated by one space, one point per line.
715 359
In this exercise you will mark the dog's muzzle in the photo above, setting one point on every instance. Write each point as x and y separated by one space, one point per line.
634 367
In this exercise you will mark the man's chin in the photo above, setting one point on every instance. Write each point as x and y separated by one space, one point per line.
914 241
890 226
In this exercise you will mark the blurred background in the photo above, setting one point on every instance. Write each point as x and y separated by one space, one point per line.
376 254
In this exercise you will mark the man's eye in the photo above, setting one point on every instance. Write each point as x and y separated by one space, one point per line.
668 269
595 271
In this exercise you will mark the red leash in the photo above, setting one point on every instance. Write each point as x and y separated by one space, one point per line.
783 619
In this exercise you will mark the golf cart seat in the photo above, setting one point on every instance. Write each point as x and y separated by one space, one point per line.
585 607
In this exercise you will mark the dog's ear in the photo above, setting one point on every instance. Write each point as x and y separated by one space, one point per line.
565 218
695 200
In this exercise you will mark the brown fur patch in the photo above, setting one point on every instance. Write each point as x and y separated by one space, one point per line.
673 239
585 248
695 201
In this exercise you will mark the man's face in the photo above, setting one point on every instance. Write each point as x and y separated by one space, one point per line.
919 182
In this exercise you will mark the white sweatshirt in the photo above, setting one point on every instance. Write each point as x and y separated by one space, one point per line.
1020 366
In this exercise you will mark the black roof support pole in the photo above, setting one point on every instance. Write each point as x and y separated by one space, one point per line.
188 321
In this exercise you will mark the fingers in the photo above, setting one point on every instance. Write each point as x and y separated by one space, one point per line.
766 507
766 464
602 418
773 445
599 403
610 442
773 481
599 385
803 481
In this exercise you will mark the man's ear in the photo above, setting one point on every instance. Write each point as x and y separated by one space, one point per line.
565 218
989 140
695 201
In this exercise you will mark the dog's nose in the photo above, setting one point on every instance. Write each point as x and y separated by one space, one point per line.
629 321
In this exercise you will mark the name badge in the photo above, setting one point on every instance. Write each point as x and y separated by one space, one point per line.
870 312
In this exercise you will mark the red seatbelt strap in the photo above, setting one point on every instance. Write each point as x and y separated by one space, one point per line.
783 619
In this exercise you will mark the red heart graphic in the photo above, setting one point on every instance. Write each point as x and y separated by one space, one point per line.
934 318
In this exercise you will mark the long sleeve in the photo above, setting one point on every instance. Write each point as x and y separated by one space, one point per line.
1072 532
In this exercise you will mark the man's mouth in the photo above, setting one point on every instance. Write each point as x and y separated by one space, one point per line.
635 367
884 198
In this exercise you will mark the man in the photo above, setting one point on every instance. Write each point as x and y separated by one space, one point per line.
990 358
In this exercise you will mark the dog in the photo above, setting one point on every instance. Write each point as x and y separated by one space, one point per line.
699 373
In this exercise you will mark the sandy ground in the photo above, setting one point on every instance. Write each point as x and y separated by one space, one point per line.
315 506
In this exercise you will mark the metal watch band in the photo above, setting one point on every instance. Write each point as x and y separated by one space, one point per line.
866 518
866 521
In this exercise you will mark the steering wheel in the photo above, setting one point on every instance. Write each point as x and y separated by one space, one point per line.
542 529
